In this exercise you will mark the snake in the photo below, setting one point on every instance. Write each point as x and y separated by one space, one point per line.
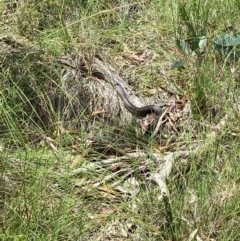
138 112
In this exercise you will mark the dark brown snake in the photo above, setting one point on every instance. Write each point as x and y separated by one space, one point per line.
135 111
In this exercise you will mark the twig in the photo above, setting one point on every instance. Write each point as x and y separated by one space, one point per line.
159 124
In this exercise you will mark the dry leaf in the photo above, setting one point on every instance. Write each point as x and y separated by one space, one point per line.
137 58
107 190
77 160
98 112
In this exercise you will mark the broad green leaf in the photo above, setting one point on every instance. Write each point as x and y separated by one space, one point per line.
227 45
180 64
226 40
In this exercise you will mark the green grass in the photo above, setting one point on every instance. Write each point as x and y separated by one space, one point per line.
66 194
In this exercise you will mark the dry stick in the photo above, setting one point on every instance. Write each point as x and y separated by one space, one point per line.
159 124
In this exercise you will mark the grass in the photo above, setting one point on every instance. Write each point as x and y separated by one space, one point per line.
68 194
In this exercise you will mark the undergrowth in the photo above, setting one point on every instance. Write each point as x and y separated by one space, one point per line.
52 185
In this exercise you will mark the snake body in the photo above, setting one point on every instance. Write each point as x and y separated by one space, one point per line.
105 74
135 111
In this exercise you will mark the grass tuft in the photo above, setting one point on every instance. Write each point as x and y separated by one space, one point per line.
54 184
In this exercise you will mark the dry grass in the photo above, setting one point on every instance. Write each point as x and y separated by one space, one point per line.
69 194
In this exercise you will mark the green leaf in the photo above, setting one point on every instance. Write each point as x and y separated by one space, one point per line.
191 46
185 46
228 45
202 43
226 40
179 64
